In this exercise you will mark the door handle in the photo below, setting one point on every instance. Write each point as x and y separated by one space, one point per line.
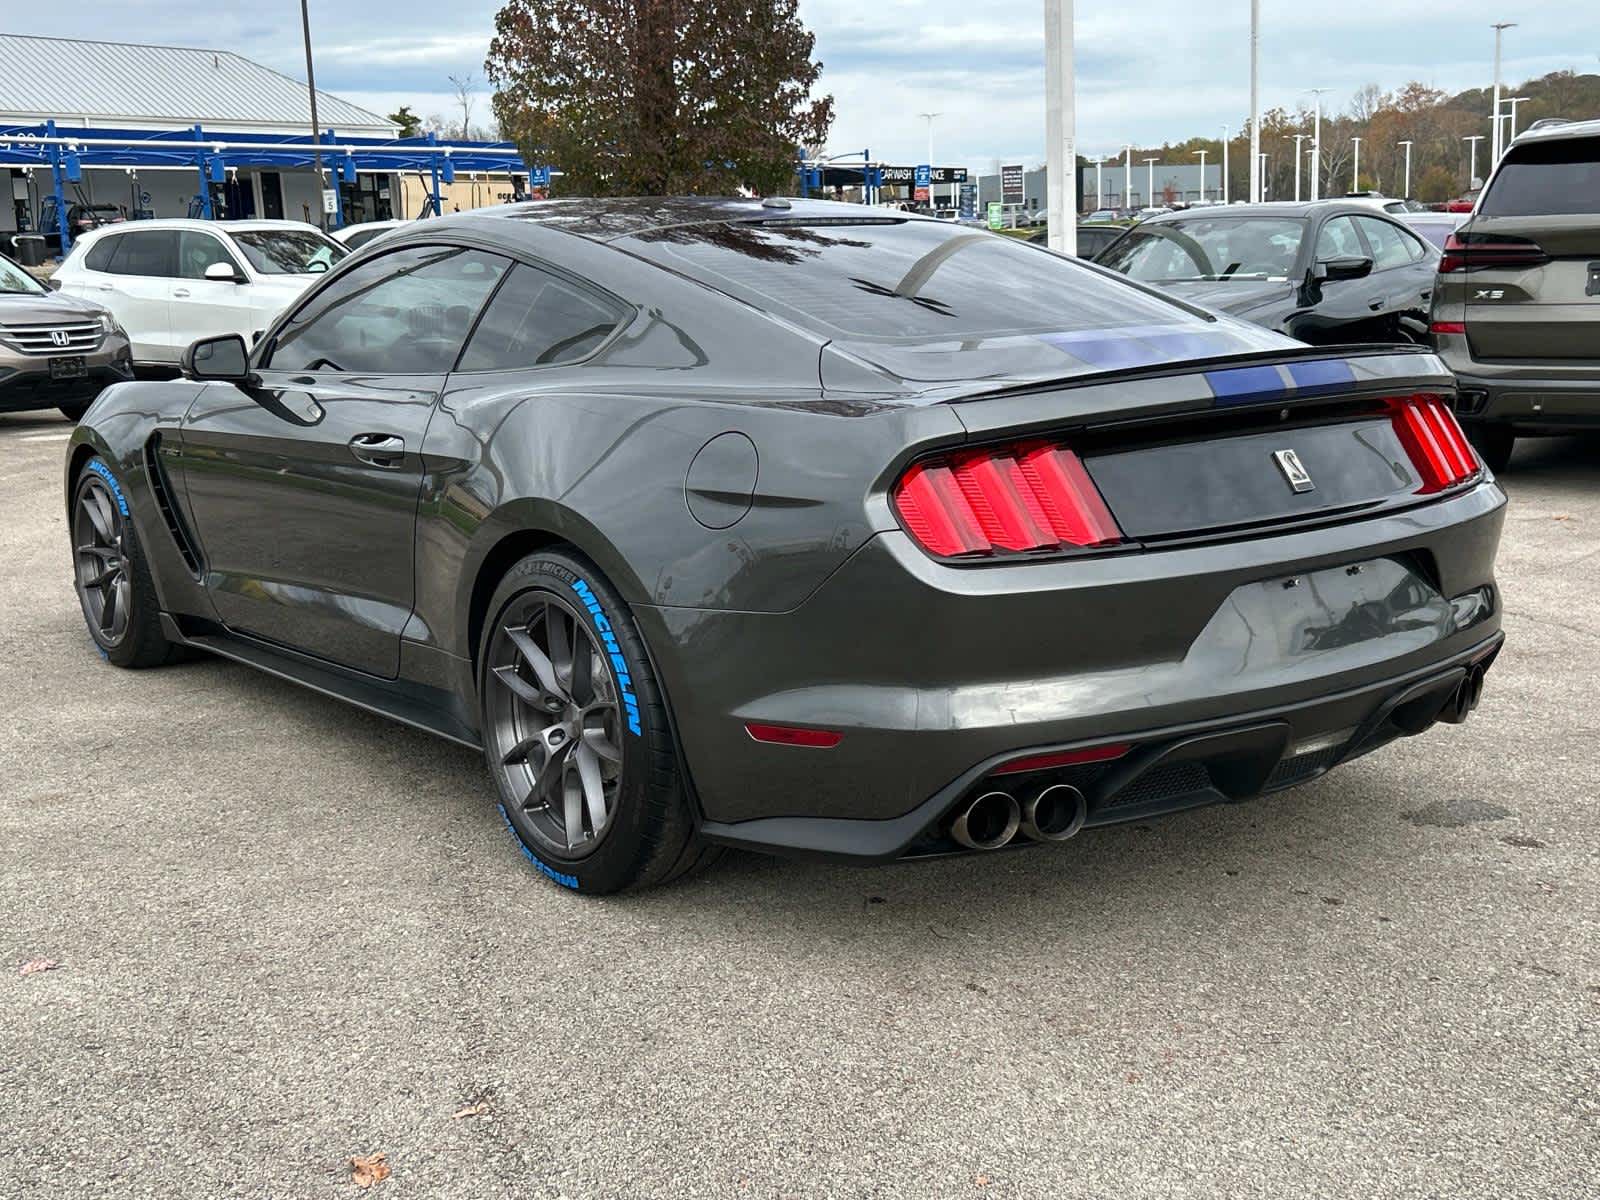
181 293
1375 304
378 449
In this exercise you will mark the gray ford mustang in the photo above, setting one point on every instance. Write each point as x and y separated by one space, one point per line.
800 527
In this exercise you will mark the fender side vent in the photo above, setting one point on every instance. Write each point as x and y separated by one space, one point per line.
162 490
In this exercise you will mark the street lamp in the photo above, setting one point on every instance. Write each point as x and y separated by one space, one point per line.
1255 102
1406 193
1472 172
1316 145
1203 154
1150 165
1224 165
1513 101
1262 159
928 117
316 129
1099 182
1127 177
1355 170
1499 29
1298 138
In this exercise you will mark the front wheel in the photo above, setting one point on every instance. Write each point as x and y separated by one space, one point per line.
111 576
575 732
1493 443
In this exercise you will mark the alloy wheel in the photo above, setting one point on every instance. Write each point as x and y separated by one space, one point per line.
100 562
553 719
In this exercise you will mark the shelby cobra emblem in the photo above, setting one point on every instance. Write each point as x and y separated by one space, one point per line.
1293 470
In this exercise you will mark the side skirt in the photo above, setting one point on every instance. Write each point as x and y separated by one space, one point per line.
417 705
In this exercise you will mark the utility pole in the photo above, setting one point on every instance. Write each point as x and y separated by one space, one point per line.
1224 164
1316 145
1298 138
1060 128
1150 166
316 129
1472 171
1127 177
1262 160
1202 154
1406 193
928 117
1511 134
1499 29
1255 102
1355 170
1099 181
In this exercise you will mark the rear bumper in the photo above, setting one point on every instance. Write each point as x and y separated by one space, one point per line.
929 671
1529 399
1165 771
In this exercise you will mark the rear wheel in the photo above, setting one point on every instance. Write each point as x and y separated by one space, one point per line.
575 732
111 576
1493 443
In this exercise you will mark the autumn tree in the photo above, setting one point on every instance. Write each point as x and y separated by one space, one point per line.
658 97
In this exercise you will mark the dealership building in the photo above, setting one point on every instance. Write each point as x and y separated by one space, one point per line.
1181 182
164 131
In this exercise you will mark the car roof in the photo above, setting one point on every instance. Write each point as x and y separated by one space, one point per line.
240 226
1559 131
1276 208
605 219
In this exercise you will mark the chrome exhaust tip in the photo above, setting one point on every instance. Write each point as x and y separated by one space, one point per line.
1055 814
988 822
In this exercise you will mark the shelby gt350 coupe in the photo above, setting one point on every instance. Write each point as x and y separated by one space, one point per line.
800 526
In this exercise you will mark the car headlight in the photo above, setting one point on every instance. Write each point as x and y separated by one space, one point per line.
108 324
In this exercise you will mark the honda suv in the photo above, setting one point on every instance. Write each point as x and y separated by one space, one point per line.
55 351
1516 311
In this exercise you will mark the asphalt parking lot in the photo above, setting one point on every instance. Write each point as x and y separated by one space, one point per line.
290 933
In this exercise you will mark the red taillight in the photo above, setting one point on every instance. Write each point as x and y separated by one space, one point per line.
791 735
1061 758
1008 499
1476 251
1434 441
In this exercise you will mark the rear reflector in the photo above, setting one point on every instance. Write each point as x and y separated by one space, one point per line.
789 735
1008 499
1061 758
1434 442
1448 327
1477 251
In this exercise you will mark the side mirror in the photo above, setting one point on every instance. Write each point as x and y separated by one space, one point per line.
218 359
1353 266
221 272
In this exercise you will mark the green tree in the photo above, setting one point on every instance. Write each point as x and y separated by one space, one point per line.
1437 183
658 97
410 124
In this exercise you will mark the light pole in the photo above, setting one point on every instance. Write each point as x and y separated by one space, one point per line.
1150 185
928 117
1202 155
1224 164
1099 181
1060 129
1316 145
1512 133
1472 171
1406 193
1298 138
1355 170
1262 160
1499 29
1255 102
1127 177
316 129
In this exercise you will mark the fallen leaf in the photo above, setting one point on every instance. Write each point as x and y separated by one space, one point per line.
481 1109
1562 517
982 1181
369 1169
40 964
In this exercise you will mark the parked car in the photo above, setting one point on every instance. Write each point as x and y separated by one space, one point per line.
1099 215
1156 210
1092 239
171 282
604 486
1436 227
1516 314
55 351
356 236
1327 272
81 218
1382 203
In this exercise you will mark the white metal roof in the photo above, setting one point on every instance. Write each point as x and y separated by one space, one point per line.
113 83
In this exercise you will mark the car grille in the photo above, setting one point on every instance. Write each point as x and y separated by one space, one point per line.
1168 781
76 338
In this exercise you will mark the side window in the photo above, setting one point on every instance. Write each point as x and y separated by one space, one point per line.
1388 246
538 320
1339 239
1415 246
405 313
150 252
99 256
197 251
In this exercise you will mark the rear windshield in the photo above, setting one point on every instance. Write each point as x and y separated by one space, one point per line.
1546 177
879 278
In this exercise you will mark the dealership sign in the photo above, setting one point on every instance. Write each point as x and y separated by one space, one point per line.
909 175
1011 187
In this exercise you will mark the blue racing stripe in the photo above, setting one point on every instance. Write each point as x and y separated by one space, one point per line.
1321 373
1106 349
1241 385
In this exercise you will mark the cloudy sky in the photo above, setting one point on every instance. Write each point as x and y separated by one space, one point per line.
1147 72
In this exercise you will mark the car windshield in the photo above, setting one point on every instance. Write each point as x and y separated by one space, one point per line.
1209 248
888 278
14 281
288 251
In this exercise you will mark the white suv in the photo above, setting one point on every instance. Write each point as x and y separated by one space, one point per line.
171 283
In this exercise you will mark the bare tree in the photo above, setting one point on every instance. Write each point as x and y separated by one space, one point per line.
1369 99
466 90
